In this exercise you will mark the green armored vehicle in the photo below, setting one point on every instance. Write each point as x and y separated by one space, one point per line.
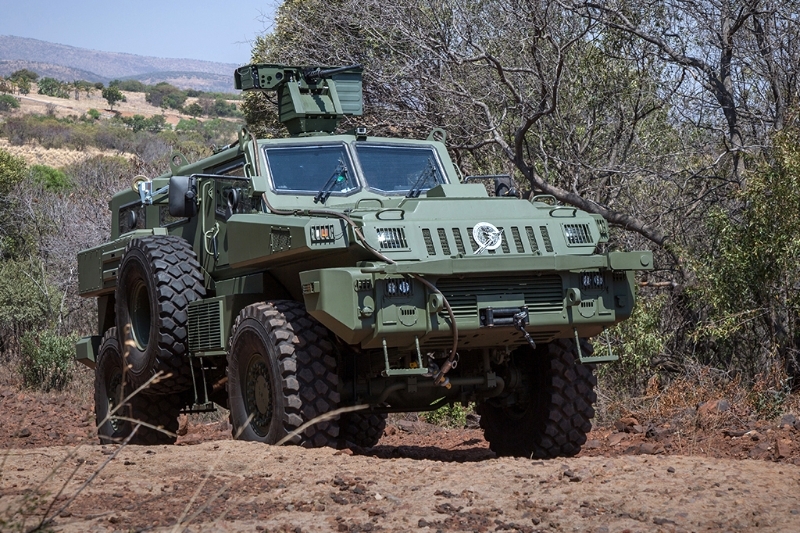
350 276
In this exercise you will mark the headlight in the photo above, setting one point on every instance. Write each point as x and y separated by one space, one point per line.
592 280
397 287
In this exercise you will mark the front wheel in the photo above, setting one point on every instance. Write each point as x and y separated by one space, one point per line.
554 413
281 374
159 277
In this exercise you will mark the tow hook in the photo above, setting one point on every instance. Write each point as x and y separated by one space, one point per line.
519 323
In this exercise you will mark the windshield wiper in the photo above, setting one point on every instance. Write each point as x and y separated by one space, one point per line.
338 177
429 172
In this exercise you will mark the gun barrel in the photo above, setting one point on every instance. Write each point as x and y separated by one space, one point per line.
317 73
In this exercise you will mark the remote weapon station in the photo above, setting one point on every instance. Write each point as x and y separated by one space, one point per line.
286 279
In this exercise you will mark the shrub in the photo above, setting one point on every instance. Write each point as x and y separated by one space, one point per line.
133 86
8 102
450 416
165 95
53 87
50 178
93 114
12 171
47 360
194 109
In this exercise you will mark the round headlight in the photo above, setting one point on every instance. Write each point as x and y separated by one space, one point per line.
586 280
598 280
404 287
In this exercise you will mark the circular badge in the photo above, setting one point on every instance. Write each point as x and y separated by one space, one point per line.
487 236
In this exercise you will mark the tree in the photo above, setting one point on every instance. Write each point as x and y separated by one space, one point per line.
516 84
194 109
53 87
737 62
165 95
112 96
8 102
24 74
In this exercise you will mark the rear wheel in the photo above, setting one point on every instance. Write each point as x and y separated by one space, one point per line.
554 414
362 429
281 374
111 387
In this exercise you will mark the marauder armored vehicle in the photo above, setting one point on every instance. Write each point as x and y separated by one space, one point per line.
315 283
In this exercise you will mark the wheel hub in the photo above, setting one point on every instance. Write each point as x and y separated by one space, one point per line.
258 396
139 311
114 397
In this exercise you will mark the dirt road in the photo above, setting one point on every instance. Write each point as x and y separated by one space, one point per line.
419 478
239 486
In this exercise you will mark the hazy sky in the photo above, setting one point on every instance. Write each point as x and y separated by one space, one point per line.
198 29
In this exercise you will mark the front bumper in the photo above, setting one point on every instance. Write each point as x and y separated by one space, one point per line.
382 303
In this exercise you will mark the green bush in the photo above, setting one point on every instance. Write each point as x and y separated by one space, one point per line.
50 178
8 102
53 87
47 360
133 86
93 114
12 171
449 416
165 95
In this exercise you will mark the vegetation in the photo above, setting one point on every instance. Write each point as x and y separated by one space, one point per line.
450 416
165 95
47 360
113 96
134 86
8 102
645 116
53 87
679 124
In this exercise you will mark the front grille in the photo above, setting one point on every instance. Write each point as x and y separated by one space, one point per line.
512 240
543 294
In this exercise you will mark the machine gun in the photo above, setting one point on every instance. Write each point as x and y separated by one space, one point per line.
311 100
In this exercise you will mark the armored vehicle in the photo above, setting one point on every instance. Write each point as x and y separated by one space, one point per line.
312 284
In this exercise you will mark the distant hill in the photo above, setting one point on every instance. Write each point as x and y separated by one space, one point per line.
69 63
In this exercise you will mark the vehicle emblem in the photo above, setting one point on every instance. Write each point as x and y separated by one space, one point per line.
487 236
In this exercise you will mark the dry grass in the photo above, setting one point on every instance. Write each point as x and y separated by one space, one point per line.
677 401
34 154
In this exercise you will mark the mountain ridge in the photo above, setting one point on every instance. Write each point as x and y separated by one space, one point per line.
69 63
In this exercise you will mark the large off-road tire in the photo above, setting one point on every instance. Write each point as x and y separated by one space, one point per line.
158 277
281 374
111 387
362 429
556 416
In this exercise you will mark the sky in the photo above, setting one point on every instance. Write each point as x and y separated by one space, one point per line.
197 29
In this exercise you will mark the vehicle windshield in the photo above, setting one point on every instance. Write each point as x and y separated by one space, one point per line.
393 169
311 169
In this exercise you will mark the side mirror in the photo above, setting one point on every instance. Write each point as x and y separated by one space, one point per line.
182 196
